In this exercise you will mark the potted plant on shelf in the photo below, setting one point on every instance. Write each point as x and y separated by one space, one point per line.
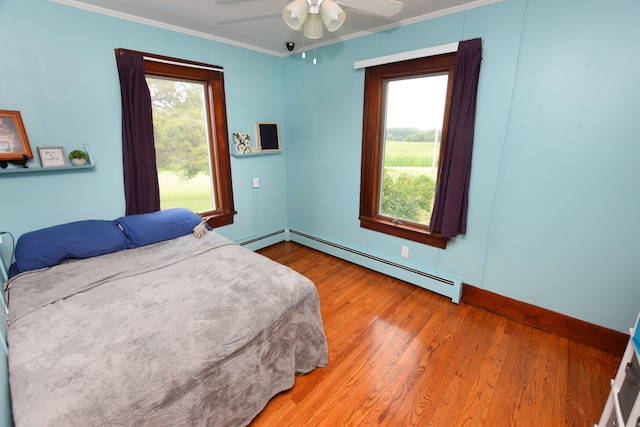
78 157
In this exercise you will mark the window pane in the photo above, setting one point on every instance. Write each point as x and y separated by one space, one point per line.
181 140
414 116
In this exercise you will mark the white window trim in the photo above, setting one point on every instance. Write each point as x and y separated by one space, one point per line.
403 56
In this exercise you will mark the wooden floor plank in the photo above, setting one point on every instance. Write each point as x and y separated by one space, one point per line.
480 378
402 356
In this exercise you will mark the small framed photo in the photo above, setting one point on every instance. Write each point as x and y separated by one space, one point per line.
242 143
52 156
14 144
268 136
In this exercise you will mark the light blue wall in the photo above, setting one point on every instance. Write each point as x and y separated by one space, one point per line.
554 187
564 226
62 77
553 200
59 71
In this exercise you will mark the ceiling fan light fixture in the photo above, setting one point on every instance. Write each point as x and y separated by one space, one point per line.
295 14
332 15
313 26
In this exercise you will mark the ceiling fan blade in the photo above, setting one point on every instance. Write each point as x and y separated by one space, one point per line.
223 2
376 7
248 19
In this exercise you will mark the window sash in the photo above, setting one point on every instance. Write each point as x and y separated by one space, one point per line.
373 143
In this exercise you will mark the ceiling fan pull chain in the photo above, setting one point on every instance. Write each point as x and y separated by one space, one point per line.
304 55
314 52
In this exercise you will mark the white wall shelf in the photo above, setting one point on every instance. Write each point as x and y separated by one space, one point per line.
16 169
257 153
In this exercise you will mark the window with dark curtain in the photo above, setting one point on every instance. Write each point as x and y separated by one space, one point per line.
449 217
139 152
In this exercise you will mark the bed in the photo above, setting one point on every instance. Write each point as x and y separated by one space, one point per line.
153 330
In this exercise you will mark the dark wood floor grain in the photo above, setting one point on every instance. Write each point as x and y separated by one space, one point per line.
403 356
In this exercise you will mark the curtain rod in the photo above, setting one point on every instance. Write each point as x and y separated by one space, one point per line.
170 60
403 56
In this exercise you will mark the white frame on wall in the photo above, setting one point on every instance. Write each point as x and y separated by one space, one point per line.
268 136
52 156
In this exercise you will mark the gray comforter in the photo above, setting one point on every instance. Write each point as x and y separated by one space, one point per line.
185 332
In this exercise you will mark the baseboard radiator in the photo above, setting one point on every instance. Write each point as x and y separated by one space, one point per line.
260 242
446 286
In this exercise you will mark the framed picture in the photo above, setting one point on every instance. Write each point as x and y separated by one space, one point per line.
52 156
242 142
14 144
268 136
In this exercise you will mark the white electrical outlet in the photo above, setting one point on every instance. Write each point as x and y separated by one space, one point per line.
405 251
256 182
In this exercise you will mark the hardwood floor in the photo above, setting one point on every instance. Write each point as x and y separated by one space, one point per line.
403 356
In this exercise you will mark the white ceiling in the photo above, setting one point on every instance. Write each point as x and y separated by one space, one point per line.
258 24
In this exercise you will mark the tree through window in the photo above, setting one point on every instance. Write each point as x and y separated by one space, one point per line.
181 135
414 115
190 136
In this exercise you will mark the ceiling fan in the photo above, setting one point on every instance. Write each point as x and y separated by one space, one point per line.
310 14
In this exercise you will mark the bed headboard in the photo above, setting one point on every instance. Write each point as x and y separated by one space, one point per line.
5 400
3 278
4 243
4 266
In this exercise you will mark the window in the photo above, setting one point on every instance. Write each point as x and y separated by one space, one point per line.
406 113
190 137
181 139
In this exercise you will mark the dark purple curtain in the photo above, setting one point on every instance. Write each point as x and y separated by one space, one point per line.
141 191
449 217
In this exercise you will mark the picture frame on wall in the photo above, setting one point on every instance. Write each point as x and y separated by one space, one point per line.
52 156
14 144
268 136
242 143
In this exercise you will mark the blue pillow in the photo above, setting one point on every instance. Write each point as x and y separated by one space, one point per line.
144 229
53 245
